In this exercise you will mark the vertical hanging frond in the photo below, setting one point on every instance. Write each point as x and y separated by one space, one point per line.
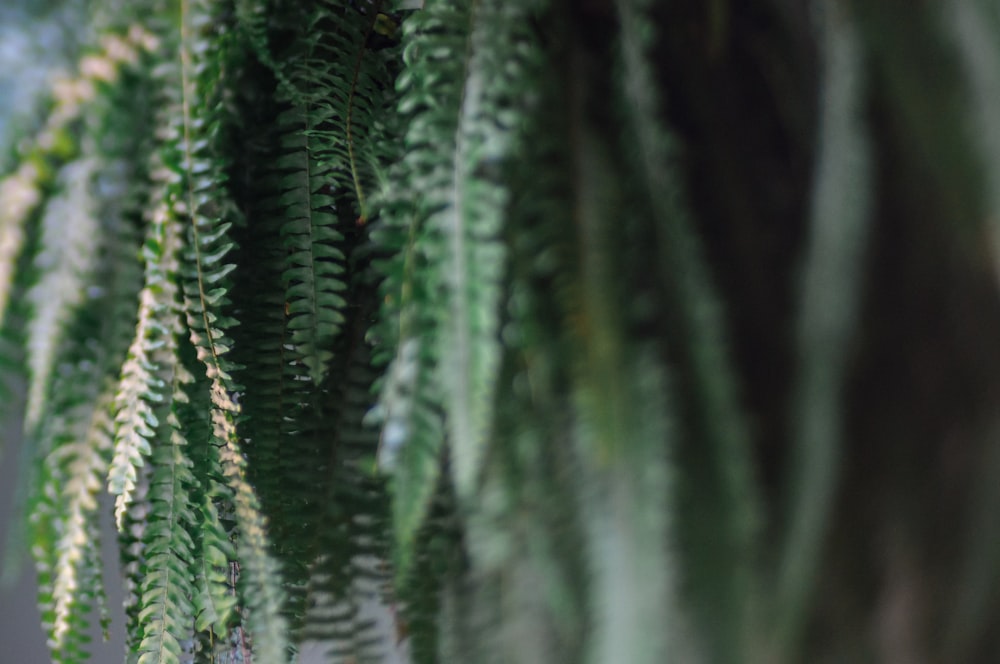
69 235
335 87
19 195
838 228
629 522
725 492
167 593
461 95
69 241
198 199
78 324
76 443
622 427
215 601
22 191
314 277
80 463
143 383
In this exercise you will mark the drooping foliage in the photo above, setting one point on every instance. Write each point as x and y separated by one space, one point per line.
497 330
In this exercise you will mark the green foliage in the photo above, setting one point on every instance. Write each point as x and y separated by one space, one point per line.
417 330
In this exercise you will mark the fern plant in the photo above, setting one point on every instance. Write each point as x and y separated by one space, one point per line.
471 331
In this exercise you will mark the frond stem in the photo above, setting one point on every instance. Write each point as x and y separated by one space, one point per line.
363 213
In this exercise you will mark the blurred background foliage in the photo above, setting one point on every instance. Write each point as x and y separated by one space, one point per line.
35 39
605 331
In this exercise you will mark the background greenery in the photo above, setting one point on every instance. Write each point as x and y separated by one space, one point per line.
526 330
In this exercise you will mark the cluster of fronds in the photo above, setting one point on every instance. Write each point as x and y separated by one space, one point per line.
391 330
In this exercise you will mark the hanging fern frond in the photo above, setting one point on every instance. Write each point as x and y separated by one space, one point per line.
143 381
838 228
330 152
445 283
461 226
355 92
622 413
285 451
198 200
533 445
24 190
77 448
81 303
314 276
76 573
725 488
130 549
211 502
19 196
167 612
69 232
69 242
629 506
80 439
345 585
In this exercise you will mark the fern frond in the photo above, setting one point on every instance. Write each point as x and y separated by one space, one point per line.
622 417
420 590
345 579
973 25
286 450
470 258
335 88
408 409
53 146
411 443
533 446
77 301
215 599
314 276
143 383
838 227
167 611
198 200
74 446
629 508
444 284
254 17
83 464
469 104
725 489
20 194
69 244
69 231
80 438
130 550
